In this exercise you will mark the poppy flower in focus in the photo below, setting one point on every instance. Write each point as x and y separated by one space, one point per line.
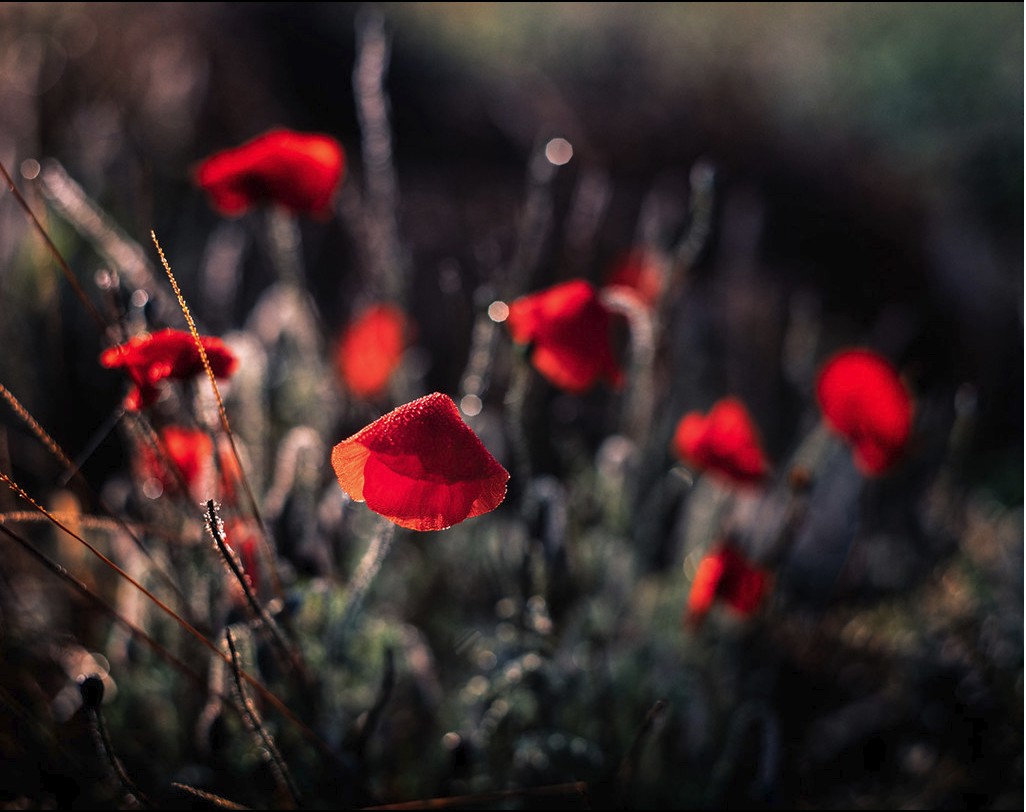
297 171
863 400
568 331
725 443
370 350
724 574
169 354
420 466
643 271
190 451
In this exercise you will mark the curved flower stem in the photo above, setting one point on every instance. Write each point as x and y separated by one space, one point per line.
364 575
101 322
285 245
640 395
691 243
96 226
91 688
381 228
516 398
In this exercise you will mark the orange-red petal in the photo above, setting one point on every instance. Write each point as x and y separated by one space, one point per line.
644 271
725 574
421 466
725 442
151 358
299 171
863 399
569 332
371 348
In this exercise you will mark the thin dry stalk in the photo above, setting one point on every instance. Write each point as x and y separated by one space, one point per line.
254 507
101 323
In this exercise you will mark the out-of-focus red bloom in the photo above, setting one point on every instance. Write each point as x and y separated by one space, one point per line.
644 271
370 349
863 400
190 451
169 354
241 537
725 443
230 477
568 330
725 574
297 171
421 466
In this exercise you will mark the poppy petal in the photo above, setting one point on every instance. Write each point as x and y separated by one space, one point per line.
569 331
370 350
644 271
298 171
168 354
725 443
863 399
724 573
421 466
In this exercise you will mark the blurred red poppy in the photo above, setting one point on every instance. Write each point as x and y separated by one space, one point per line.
169 354
420 466
863 400
241 536
297 171
644 271
190 451
568 331
725 574
370 349
725 443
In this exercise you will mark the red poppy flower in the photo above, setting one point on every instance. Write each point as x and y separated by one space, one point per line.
370 349
169 354
725 443
863 399
644 271
298 171
421 466
568 330
241 537
725 574
190 451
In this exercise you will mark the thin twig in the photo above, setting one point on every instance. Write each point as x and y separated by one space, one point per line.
72 471
625 775
192 630
475 800
208 797
249 714
254 507
216 530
